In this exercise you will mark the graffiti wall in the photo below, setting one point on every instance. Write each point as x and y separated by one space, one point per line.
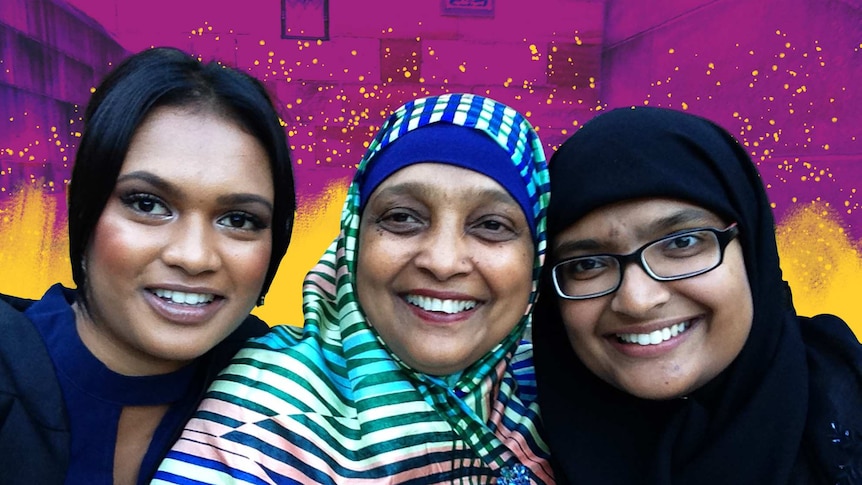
778 74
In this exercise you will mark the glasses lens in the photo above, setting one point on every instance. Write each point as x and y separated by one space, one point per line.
683 254
586 276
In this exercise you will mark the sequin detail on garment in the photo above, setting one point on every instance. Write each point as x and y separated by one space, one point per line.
514 475
851 444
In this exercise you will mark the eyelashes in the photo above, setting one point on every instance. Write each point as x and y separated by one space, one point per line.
487 227
495 228
145 204
243 220
149 207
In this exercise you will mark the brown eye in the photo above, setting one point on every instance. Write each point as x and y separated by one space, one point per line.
243 221
400 217
494 229
492 225
400 221
146 204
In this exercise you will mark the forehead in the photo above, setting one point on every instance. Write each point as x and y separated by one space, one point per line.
635 221
440 181
199 145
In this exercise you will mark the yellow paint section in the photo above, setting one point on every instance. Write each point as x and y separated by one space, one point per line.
316 226
822 264
32 255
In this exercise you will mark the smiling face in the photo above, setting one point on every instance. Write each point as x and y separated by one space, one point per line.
444 268
179 254
711 314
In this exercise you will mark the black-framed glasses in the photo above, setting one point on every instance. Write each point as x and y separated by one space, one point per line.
674 257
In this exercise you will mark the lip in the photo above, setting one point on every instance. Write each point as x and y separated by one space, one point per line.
440 318
180 313
648 351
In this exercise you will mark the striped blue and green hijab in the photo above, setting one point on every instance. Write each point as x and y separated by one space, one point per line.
334 404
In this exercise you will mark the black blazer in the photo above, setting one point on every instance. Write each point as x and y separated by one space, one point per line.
34 427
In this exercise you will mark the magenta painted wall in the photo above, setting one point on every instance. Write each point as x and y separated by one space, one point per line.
781 75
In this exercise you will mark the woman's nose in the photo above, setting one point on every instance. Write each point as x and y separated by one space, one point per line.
445 253
192 246
638 293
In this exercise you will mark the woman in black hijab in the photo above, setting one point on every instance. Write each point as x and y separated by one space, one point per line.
684 363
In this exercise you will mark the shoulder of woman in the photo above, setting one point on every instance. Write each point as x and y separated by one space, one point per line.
20 341
222 353
829 337
280 372
834 423
834 358
251 327
523 354
26 370
13 303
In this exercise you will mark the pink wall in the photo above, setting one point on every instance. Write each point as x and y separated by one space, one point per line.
779 74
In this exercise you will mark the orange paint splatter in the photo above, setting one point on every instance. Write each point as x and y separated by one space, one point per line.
33 255
822 264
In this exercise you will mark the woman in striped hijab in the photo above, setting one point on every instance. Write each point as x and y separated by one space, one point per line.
411 367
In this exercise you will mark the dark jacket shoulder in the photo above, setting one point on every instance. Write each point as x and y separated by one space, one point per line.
34 431
34 434
833 444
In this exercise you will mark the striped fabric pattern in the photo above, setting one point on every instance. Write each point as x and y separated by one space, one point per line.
329 403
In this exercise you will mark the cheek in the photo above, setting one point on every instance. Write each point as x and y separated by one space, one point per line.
116 247
511 270
370 266
250 261
506 272
377 256
580 317
736 304
581 321
726 289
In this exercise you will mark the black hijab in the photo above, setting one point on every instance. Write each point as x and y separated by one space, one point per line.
789 407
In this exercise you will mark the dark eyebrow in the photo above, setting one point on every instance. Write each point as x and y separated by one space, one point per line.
674 221
237 199
579 245
172 190
493 195
657 228
151 179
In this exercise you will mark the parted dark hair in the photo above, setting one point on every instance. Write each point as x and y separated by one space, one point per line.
156 78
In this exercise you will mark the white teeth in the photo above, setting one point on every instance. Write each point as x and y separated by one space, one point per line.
437 305
184 298
655 337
